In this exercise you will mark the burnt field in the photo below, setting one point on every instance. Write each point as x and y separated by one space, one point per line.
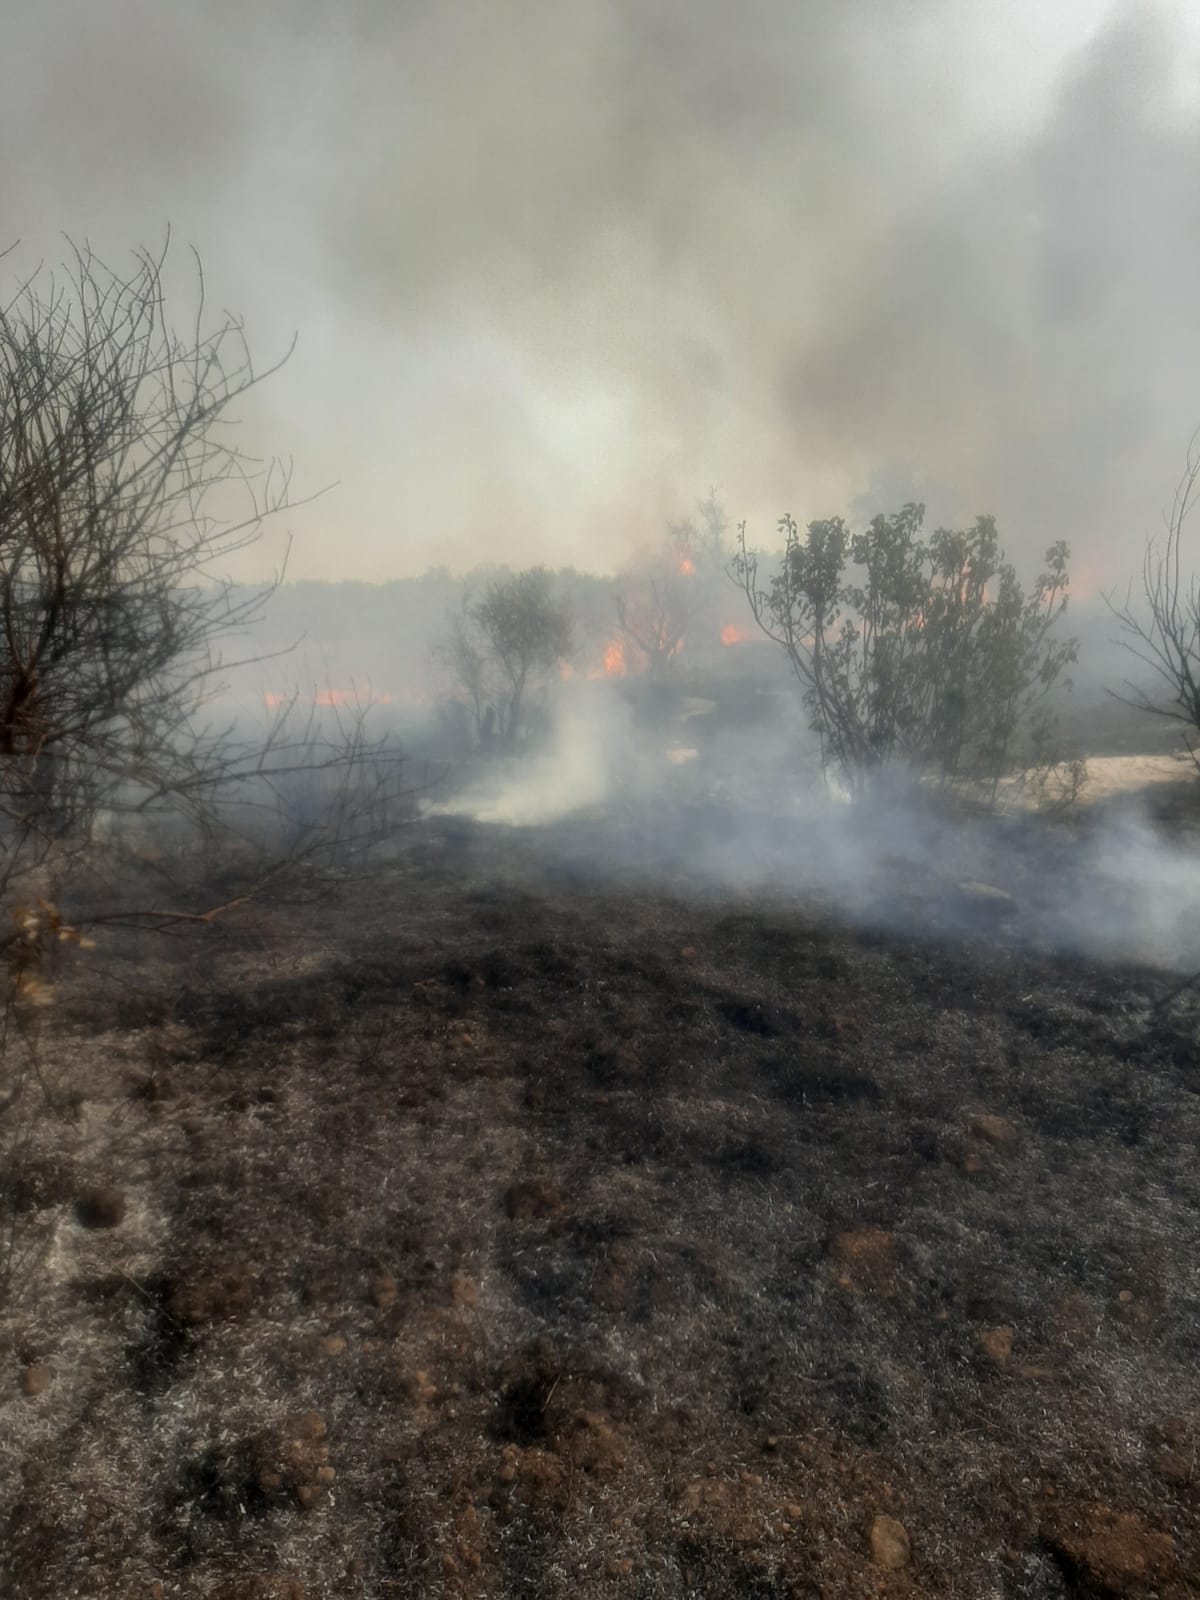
508 1225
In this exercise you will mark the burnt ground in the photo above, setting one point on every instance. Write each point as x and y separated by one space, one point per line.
503 1228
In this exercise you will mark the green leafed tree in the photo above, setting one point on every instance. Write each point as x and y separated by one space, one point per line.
914 653
505 649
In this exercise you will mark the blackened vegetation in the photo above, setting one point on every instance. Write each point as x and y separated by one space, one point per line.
502 1233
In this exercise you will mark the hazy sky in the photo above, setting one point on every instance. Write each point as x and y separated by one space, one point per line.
558 266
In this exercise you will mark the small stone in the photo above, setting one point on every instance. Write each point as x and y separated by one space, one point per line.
1126 1297
420 1388
331 1345
794 1511
384 1290
36 1379
998 1132
891 1547
771 1442
101 1207
997 1343
753 1480
866 1259
464 1291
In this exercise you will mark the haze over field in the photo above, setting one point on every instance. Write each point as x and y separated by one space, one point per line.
558 268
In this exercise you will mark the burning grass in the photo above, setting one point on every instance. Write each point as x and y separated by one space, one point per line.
507 1230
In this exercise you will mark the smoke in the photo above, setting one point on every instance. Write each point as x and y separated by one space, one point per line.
750 816
557 268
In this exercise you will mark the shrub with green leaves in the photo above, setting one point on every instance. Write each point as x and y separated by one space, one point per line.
914 653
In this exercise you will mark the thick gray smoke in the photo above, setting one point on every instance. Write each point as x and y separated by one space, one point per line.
558 267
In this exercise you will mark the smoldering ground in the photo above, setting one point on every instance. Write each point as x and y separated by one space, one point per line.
707 798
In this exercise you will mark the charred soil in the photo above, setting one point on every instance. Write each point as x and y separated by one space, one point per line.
496 1229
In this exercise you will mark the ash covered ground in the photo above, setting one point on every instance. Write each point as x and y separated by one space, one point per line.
642 1203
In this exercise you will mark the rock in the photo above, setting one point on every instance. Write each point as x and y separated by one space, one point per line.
384 1290
891 1547
997 1343
101 1207
36 1379
332 1344
420 1387
998 1132
865 1258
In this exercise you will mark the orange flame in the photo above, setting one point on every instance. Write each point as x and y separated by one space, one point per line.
615 665
732 634
687 566
334 697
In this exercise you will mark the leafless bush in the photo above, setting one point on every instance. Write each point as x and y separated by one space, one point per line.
122 495
1162 630
671 596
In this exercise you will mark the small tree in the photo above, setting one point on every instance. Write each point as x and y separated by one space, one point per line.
504 649
922 653
671 596
1163 631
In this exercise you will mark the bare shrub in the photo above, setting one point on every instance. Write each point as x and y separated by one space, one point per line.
122 494
671 595
1162 629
